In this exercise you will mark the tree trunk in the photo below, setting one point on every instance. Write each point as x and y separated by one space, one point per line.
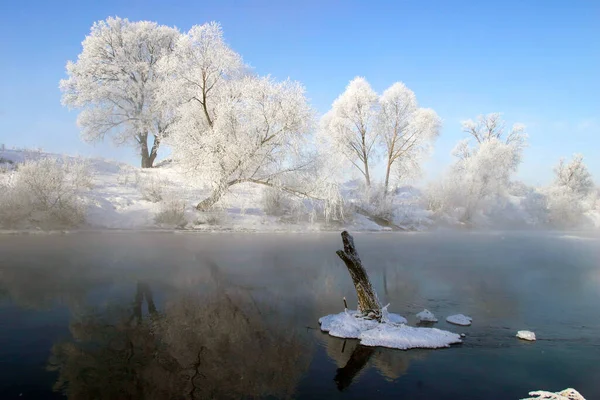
367 176
387 177
211 200
148 157
368 304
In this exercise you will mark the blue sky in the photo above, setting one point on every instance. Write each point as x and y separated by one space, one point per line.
535 61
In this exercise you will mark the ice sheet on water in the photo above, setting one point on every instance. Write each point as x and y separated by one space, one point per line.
567 394
459 319
426 316
391 318
526 335
346 324
407 337
392 333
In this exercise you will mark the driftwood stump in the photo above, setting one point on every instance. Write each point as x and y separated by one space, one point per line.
368 304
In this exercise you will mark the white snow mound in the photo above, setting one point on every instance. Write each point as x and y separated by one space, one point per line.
567 394
459 319
426 316
346 324
395 335
526 335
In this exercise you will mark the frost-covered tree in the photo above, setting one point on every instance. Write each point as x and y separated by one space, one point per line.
406 131
350 125
574 176
482 173
572 193
114 83
485 175
492 126
231 127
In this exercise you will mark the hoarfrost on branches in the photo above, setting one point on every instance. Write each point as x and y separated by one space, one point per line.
406 131
115 81
232 127
350 126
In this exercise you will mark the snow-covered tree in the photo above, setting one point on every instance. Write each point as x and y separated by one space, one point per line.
481 176
114 83
574 176
491 126
406 131
231 127
350 125
572 193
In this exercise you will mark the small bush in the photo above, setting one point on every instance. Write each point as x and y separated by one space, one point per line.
214 217
275 202
172 212
45 193
333 207
151 187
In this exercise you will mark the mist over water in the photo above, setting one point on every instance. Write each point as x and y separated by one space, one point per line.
156 315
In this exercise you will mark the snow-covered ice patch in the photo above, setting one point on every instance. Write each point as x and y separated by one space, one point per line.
526 335
396 319
392 318
426 316
459 319
407 337
567 394
392 333
346 324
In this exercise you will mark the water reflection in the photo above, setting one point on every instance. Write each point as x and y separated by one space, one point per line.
220 343
353 359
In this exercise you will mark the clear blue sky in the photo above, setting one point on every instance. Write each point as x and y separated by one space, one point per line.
535 61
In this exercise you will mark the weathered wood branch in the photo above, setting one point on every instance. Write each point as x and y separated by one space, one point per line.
368 304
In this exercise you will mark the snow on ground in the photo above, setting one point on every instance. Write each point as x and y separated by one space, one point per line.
120 200
526 335
459 319
127 197
390 334
426 316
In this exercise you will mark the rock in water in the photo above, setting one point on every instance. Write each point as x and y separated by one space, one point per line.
459 319
526 335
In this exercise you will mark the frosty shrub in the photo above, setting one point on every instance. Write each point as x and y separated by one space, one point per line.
333 206
213 217
5 165
45 193
571 195
565 209
151 187
275 202
172 212
436 197
380 204
535 207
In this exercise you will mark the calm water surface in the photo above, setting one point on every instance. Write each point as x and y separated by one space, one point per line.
183 316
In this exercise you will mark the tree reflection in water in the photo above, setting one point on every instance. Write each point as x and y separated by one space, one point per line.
216 343
353 359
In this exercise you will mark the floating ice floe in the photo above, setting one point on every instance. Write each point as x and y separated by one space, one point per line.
426 316
526 335
350 325
567 394
459 319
